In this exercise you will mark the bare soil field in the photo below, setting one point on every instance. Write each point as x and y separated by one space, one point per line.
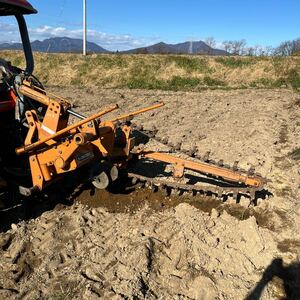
149 246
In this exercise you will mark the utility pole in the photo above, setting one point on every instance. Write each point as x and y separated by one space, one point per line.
84 28
191 47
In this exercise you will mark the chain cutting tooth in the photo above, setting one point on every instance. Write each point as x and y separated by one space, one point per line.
143 183
134 180
185 151
235 166
235 195
206 156
200 192
199 157
221 163
181 192
174 192
164 140
167 190
154 188
219 193
251 170
172 150
192 152
252 195
214 196
177 146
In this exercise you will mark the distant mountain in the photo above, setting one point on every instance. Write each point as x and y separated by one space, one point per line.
57 45
181 48
70 45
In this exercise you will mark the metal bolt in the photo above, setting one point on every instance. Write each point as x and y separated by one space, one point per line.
39 177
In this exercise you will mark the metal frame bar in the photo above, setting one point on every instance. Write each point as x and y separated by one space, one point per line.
26 43
207 169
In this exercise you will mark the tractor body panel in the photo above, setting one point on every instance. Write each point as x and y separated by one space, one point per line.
13 7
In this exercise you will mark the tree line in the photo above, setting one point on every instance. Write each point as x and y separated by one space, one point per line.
239 47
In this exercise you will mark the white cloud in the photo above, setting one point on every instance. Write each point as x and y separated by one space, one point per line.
9 33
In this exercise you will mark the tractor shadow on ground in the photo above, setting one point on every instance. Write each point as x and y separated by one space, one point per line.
140 137
290 276
28 208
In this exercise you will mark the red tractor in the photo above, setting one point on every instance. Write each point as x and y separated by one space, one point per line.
10 131
15 8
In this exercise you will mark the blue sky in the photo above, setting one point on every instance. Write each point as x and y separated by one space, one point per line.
126 24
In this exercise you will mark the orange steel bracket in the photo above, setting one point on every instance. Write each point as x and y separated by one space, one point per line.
33 124
40 143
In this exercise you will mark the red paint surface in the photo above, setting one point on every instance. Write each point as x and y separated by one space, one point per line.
20 3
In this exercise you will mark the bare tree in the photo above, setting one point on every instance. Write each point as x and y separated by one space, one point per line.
260 51
269 50
235 47
284 49
242 44
296 45
255 49
238 47
288 48
250 51
227 46
211 42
